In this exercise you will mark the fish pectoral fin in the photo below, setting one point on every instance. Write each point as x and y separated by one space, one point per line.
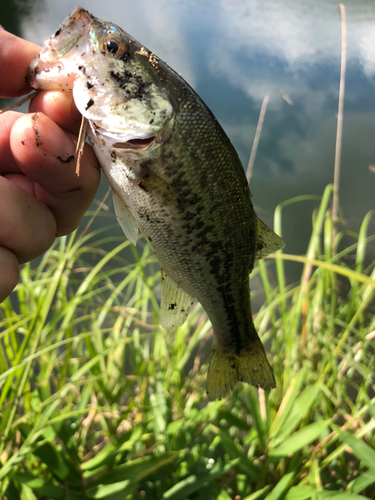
160 189
125 218
164 192
267 241
175 303
227 368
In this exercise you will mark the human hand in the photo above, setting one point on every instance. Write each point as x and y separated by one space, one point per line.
40 195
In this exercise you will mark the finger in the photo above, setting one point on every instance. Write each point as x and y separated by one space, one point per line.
22 182
60 107
9 272
15 55
27 227
7 163
46 154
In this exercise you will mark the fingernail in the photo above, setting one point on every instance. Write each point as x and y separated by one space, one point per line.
52 140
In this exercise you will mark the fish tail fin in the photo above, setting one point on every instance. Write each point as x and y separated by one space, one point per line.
228 368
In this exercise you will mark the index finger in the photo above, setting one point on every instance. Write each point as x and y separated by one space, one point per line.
15 57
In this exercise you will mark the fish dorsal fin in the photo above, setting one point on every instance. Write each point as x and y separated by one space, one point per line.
175 303
267 241
125 218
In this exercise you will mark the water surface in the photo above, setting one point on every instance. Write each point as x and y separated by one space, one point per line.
233 52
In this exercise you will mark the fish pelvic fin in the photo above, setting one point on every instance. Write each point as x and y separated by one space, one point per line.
125 218
227 368
175 303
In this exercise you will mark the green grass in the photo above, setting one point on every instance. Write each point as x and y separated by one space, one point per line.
98 402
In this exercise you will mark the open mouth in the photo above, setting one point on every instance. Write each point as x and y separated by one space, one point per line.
135 143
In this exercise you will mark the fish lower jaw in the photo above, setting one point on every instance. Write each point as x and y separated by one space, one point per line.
49 76
129 141
135 144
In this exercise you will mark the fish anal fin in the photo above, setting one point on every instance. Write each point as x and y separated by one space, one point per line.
267 241
227 368
175 303
125 218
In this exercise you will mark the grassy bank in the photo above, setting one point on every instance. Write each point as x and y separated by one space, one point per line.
97 401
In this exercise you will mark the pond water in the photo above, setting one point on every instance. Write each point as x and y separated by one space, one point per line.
233 52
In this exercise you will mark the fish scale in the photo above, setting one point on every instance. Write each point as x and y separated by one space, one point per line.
176 178
217 234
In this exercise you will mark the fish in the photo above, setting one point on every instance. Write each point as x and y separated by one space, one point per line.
175 178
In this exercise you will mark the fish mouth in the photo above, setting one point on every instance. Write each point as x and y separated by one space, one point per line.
45 70
69 32
135 144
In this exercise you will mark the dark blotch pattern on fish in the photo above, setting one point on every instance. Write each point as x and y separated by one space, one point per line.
132 84
89 104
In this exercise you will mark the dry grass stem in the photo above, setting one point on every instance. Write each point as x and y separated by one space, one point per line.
340 118
81 143
19 103
258 131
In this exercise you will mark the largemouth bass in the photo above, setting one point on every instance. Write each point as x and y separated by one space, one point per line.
175 177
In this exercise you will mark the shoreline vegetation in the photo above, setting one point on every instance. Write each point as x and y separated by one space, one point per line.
76 424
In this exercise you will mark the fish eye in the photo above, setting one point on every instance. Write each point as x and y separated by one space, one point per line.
114 47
